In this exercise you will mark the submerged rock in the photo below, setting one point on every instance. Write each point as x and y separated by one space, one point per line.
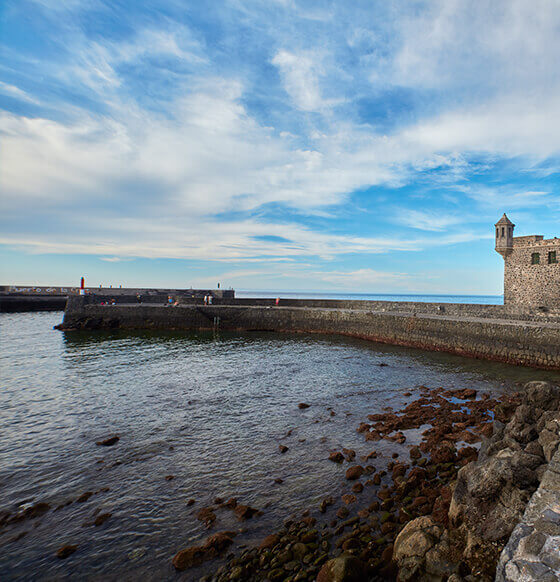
336 457
108 442
206 515
353 473
66 551
102 518
196 555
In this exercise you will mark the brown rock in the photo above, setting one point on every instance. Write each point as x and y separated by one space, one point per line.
190 502
189 557
283 448
108 442
101 518
355 472
220 541
270 541
206 516
350 454
303 405
66 551
244 512
326 502
357 487
348 498
84 497
342 513
196 555
169 477
415 453
231 503
336 457
350 544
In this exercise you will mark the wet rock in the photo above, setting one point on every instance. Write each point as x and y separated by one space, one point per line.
309 536
220 541
444 453
303 405
348 499
101 519
278 481
345 568
270 541
189 557
342 513
326 502
169 477
108 442
336 457
190 502
84 497
66 551
206 515
357 487
196 555
231 503
244 512
355 472
349 454
283 448
415 453
36 510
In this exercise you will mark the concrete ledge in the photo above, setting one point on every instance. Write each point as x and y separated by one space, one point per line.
526 343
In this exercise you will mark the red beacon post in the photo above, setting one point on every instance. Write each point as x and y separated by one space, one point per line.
82 286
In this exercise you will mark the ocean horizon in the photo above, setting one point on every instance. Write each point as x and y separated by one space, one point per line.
421 298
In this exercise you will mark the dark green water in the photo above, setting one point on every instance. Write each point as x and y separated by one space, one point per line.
209 410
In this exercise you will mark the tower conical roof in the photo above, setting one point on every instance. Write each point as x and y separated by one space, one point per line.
504 220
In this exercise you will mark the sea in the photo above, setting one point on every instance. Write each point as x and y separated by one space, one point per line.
199 416
478 299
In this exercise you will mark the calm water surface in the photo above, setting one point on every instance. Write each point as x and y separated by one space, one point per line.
209 410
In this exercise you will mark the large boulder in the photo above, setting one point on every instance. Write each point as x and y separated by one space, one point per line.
412 545
345 568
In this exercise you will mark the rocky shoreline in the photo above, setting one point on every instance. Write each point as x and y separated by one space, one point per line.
440 511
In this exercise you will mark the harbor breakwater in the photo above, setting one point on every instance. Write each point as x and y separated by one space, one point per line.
17 298
489 332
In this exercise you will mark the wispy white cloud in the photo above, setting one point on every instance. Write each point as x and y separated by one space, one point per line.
427 220
16 93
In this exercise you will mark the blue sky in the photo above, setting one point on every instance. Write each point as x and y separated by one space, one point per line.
275 144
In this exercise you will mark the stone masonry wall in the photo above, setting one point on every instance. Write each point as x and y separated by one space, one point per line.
516 342
528 284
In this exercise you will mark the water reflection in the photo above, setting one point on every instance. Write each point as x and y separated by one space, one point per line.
209 410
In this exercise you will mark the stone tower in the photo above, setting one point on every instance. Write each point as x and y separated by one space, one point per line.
531 268
504 236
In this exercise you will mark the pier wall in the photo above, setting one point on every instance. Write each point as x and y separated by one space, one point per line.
478 332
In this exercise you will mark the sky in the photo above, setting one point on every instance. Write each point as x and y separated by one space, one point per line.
364 146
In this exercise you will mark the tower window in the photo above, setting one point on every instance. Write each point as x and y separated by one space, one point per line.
552 257
535 259
503 231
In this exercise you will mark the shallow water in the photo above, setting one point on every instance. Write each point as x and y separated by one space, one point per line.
210 410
